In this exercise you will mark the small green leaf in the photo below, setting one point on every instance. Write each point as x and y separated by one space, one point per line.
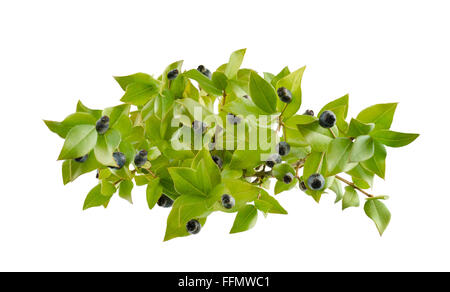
204 82
350 198
361 177
377 164
186 181
380 114
262 93
284 72
106 145
72 169
81 108
184 209
125 189
107 188
280 186
357 128
245 219
363 149
234 63
379 213
139 94
245 159
319 138
141 78
154 192
393 139
95 198
268 204
79 141
337 189
338 156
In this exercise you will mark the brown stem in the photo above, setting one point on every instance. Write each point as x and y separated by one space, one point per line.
354 186
332 133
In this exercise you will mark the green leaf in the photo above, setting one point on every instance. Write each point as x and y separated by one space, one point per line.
284 72
116 113
393 139
62 128
186 181
245 219
357 128
234 63
319 138
377 164
380 114
338 156
350 198
184 209
245 159
268 204
139 94
125 189
106 145
379 213
141 78
361 177
95 198
280 186
244 107
337 189
154 192
293 82
81 108
204 82
262 93
363 149
72 169
207 170
242 191
79 141
219 80
107 188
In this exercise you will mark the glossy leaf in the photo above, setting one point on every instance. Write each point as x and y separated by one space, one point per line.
245 219
79 141
379 214
350 198
393 139
262 93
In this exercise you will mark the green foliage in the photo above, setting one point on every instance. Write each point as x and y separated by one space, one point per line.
156 112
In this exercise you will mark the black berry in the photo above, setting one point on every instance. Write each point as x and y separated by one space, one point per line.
302 186
233 119
287 178
102 125
172 74
164 201
217 160
273 159
193 226
284 94
120 160
327 119
316 182
227 201
199 127
283 148
309 113
245 96
82 159
202 69
141 158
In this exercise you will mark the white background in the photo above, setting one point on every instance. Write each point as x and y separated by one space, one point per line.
53 53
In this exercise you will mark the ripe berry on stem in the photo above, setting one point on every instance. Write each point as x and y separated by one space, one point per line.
327 119
141 158
172 74
316 182
283 148
284 94
164 201
273 159
102 125
193 226
228 201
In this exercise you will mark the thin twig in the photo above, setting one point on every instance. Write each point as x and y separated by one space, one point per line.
354 186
